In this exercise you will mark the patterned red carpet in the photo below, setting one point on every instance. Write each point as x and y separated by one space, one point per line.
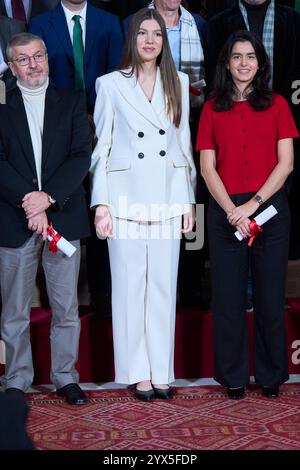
197 418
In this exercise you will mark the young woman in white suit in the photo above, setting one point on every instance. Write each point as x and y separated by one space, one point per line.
143 183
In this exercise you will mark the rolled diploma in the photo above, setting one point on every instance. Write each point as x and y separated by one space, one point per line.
260 219
63 245
199 84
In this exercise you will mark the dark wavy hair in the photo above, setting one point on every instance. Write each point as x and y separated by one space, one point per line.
260 95
131 59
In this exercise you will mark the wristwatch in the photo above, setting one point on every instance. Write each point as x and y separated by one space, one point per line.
258 199
51 200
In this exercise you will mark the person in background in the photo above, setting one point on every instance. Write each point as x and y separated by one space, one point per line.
245 140
23 10
83 43
8 28
186 34
143 180
121 8
45 150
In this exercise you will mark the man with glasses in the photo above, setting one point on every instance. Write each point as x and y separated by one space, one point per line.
44 157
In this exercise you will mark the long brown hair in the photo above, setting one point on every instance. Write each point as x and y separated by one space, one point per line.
131 59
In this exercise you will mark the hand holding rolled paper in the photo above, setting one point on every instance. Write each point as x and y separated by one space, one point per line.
257 222
57 241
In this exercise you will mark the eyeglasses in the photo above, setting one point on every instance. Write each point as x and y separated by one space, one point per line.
25 60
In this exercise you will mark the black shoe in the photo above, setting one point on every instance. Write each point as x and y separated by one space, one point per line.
270 392
15 391
144 395
236 393
72 394
163 393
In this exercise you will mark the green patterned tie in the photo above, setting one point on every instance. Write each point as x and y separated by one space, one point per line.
297 5
78 54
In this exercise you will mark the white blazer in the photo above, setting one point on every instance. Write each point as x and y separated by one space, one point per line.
142 165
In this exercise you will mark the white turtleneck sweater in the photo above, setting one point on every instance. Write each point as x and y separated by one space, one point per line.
34 102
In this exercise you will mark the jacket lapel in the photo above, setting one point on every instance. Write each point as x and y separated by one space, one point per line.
158 101
59 24
52 113
92 26
19 121
134 95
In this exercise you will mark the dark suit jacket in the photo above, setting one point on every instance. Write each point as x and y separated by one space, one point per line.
286 47
122 8
8 28
37 6
103 47
65 163
13 418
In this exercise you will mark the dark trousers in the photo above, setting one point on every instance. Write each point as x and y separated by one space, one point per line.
230 260
97 264
192 263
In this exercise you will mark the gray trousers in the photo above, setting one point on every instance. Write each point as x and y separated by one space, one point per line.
18 269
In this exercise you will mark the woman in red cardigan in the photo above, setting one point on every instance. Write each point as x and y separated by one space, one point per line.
246 141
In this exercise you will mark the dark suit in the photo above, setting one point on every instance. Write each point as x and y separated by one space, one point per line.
121 8
37 7
65 160
63 167
9 27
103 47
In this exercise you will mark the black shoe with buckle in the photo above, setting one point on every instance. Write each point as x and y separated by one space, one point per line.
270 392
163 393
236 393
72 394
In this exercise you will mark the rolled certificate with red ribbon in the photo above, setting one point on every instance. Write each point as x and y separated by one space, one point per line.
255 224
57 241
196 87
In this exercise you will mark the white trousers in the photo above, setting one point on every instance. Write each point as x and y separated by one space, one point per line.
144 264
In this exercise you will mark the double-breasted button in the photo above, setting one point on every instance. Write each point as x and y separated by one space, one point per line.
141 155
141 134
34 180
162 132
162 153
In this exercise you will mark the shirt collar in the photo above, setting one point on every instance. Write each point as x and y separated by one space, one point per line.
69 14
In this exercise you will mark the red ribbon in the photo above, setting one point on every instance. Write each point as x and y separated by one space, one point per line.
195 91
55 239
254 231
